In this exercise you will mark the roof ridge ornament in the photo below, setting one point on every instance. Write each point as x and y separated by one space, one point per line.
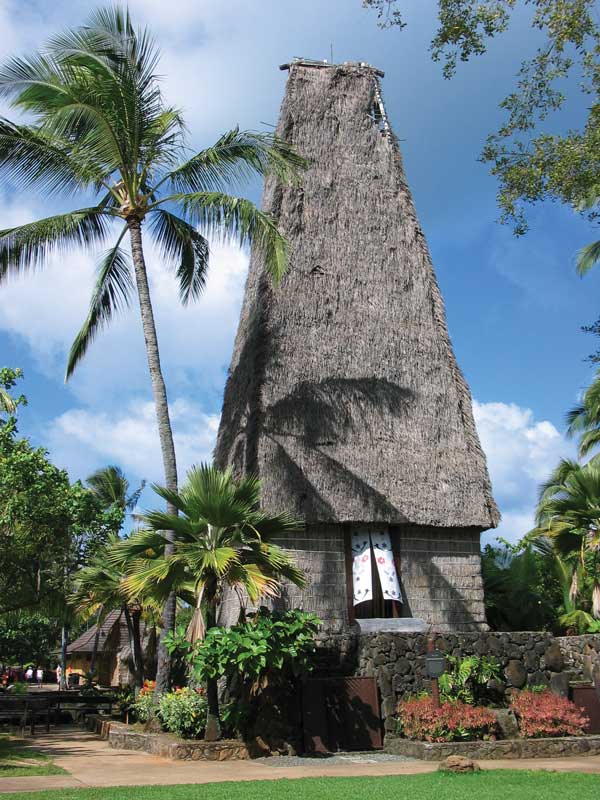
324 64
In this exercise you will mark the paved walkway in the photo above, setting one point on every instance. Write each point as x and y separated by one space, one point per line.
90 762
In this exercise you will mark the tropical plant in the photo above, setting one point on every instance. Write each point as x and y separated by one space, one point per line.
8 379
221 542
418 718
99 125
183 712
111 487
146 703
583 420
266 649
522 589
543 714
467 677
99 589
569 515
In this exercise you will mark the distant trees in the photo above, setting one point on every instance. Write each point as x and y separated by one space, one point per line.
100 126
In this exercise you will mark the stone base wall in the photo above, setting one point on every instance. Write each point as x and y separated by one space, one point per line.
503 748
122 737
527 658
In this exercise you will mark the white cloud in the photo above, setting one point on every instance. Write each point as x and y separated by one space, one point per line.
46 308
521 452
82 439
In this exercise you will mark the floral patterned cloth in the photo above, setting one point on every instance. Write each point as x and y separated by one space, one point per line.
365 546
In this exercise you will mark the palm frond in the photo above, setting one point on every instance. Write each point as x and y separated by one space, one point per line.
236 158
113 290
28 246
32 158
7 403
587 258
230 218
179 242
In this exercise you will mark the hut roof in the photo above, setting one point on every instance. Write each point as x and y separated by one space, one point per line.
85 642
344 395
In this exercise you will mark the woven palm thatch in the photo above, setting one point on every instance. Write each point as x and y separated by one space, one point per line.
344 395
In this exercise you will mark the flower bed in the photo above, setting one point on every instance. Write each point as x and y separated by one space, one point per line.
502 748
122 737
420 720
548 726
544 714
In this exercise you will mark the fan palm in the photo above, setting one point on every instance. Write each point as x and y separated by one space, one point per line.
99 589
569 515
221 541
101 127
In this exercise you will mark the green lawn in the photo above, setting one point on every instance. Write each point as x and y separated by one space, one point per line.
14 755
498 785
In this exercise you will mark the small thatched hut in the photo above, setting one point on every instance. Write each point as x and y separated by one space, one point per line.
344 395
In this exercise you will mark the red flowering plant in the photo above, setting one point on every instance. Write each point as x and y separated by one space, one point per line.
148 687
419 719
541 714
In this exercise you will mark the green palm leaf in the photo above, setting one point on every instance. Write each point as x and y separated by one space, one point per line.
587 258
113 290
28 246
181 243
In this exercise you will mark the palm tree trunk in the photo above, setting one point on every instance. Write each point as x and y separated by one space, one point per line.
213 725
165 433
96 641
64 640
133 647
138 659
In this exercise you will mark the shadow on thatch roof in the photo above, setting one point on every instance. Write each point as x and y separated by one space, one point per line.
344 394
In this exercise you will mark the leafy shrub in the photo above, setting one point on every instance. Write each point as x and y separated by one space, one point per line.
419 719
145 706
467 677
546 714
276 644
183 712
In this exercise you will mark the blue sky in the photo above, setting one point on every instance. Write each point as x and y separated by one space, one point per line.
514 306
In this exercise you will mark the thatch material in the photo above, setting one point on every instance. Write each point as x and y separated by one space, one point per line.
344 394
84 644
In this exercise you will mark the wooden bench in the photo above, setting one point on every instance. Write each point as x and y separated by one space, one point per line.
82 703
26 709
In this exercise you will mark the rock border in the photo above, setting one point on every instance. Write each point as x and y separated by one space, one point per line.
121 737
501 748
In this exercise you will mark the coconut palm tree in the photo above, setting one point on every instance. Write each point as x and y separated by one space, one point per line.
99 589
101 127
569 515
111 487
221 541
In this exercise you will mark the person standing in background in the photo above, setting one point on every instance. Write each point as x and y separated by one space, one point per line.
39 676
58 674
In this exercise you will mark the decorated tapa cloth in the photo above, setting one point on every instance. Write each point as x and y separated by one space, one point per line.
365 546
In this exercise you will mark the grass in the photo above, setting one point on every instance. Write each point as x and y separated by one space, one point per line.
495 785
13 754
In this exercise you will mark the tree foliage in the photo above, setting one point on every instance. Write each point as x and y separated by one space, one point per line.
531 164
48 526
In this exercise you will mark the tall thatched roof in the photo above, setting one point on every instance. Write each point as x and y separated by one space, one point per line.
344 394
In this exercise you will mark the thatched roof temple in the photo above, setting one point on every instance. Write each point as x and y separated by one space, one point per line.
344 394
